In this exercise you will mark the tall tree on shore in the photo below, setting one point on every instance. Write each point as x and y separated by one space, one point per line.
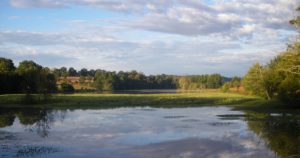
36 79
29 71
280 78
253 80
9 79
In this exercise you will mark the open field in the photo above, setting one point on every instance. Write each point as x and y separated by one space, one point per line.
86 101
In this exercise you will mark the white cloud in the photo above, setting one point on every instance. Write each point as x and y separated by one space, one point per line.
191 18
92 51
116 5
191 36
36 3
189 56
222 18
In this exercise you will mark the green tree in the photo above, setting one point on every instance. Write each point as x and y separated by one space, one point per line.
254 81
83 72
105 80
214 81
226 87
289 61
36 79
47 83
30 72
9 80
280 78
72 72
235 82
63 72
6 65
184 83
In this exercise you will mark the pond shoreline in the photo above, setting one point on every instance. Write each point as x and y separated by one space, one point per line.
167 100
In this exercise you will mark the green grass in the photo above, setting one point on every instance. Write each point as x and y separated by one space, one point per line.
94 101
239 101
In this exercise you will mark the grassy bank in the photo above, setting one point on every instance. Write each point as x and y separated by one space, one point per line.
84 101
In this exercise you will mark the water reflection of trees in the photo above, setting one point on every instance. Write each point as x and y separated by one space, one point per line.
281 132
32 151
34 119
6 118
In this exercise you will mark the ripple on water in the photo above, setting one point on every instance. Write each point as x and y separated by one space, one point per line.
173 117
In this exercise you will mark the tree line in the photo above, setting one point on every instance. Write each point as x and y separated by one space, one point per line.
30 77
212 81
107 80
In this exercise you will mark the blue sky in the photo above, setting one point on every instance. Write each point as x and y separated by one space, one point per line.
154 36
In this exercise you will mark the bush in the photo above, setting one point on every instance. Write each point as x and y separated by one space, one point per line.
225 87
67 88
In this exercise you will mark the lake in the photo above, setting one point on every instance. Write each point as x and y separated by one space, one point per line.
145 132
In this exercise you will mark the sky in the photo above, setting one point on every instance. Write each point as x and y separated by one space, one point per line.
179 37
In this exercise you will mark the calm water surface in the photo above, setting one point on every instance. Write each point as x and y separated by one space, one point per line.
212 132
